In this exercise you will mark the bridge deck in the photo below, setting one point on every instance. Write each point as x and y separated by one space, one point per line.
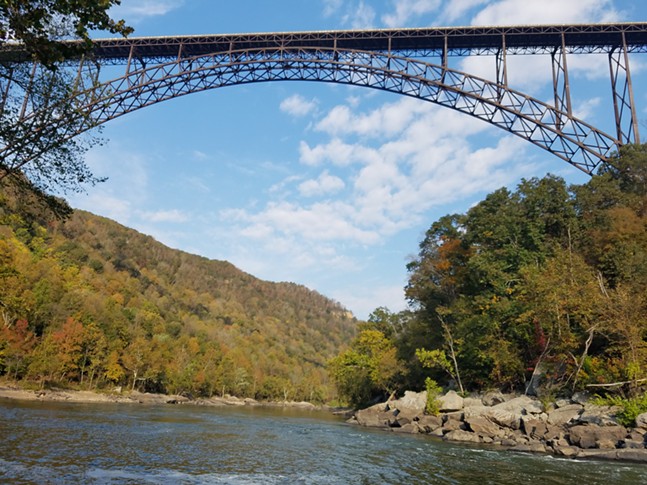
586 38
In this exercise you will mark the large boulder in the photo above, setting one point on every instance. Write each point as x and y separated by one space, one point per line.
374 417
596 436
641 421
493 398
451 402
599 415
504 418
484 427
533 428
565 414
522 405
411 404
464 436
430 423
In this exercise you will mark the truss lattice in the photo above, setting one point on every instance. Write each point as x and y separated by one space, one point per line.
399 61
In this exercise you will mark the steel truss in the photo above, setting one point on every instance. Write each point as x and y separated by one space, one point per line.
158 69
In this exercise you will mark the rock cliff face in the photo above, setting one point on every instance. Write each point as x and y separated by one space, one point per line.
569 428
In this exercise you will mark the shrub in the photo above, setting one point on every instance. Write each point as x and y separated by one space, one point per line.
631 407
433 392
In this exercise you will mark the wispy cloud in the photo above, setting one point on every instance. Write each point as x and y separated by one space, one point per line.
323 185
506 12
173 215
407 10
136 10
297 105
353 14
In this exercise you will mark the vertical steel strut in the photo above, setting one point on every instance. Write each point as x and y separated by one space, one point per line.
623 95
561 85
502 68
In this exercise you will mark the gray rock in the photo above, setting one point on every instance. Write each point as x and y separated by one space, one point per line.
474 411
581 397
641 421
484 427
600 415
592 436
560 403
567 451
410 428
451 402
438 432
533 427
564 415
533 447
493 398
582 436
606 444
469 402
504 418
636 435
463 436
522 405
632 444
430 423
451 424
411 404
374 417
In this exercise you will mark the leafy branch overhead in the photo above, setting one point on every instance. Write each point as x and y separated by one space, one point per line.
38 88
41 24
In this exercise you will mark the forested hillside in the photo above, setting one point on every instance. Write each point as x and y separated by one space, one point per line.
90 303
542 290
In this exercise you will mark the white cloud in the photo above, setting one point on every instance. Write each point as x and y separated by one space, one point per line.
109 206
389 120
336 152
356 14
363 300
317 222
405 10
524 12
135 10
173 215
331 6
363 17
323 185
454 9
297 105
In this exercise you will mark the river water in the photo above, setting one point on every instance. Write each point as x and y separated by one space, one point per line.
47 442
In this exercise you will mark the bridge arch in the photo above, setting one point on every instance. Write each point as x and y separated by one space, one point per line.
561 134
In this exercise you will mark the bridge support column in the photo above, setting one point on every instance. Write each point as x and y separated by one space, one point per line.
501 68
561 85
623 95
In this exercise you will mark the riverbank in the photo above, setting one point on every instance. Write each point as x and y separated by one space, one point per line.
134 397
571 428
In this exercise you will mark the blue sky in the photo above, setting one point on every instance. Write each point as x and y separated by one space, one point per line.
324 185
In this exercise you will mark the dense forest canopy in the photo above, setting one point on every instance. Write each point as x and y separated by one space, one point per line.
542 289
90 303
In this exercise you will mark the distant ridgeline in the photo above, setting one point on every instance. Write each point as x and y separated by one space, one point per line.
91 303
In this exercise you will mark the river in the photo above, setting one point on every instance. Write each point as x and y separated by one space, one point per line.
54 442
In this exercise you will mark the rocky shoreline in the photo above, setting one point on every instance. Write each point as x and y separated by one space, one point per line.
134 397
572 428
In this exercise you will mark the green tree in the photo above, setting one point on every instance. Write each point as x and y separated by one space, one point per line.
38 155
367 369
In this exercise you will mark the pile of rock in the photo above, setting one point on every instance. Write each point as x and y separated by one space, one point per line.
571 428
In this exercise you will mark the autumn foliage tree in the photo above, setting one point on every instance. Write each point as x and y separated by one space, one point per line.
537 289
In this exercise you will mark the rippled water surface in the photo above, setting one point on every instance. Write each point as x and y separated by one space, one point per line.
123 443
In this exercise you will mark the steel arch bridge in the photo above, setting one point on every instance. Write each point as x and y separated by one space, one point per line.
411 62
